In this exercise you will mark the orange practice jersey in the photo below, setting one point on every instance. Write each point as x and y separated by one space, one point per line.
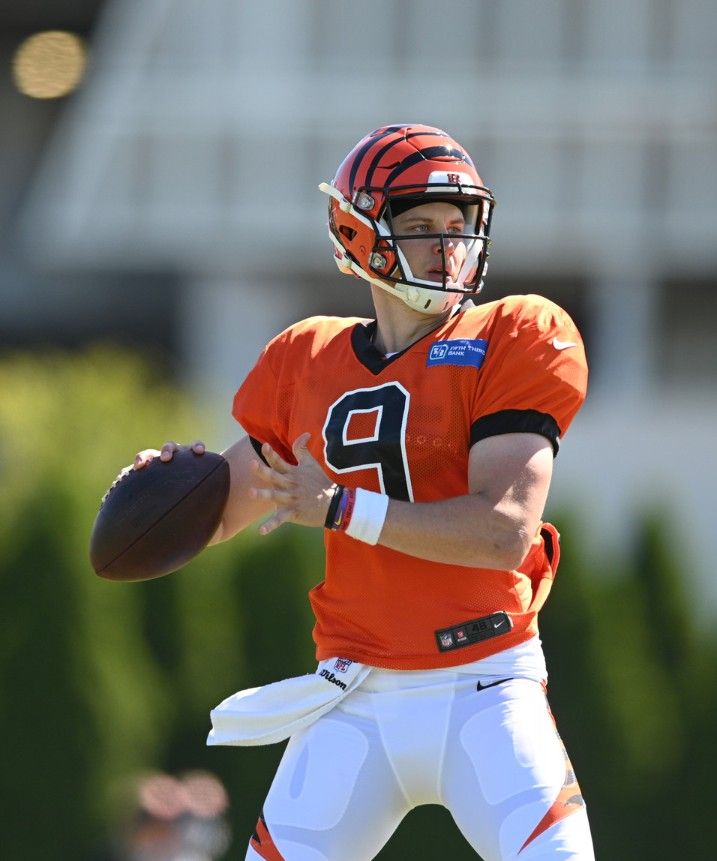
404 426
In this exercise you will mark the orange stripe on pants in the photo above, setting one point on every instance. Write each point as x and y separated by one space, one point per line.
262 842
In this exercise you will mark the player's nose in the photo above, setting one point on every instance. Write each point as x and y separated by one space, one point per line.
444 243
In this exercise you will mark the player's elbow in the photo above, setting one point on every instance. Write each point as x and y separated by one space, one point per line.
513 551
510 544
499 555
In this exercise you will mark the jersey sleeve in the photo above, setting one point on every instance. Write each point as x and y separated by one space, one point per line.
261 401
535 375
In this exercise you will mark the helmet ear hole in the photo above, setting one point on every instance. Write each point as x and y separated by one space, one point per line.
348 232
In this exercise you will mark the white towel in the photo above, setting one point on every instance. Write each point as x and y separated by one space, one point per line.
274 712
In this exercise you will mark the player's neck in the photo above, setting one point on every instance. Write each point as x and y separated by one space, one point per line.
398 326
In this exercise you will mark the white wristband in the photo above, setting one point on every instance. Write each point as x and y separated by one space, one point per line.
368 516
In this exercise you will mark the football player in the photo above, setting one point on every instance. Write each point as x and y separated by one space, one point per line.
422 443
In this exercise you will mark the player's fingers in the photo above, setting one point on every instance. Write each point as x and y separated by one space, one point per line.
274 460
278 497
277 480
270 476
142 458
281 515
167 451
198 447
300 448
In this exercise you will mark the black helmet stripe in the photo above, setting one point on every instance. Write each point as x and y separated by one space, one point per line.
377 158
426 154
365 148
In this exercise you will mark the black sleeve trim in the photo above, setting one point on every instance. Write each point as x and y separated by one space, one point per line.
517 421
257 448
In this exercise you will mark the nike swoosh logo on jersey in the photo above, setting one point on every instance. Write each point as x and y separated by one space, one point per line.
482 687
562 345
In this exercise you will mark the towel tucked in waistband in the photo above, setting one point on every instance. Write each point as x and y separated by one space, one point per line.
273 712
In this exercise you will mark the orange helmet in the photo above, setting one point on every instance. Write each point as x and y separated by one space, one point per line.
390 170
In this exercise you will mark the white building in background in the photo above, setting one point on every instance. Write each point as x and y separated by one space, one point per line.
204 128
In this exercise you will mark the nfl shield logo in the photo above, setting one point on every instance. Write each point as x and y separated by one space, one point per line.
342 664
446 639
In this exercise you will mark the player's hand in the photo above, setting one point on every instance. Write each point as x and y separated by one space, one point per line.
166 453
301 493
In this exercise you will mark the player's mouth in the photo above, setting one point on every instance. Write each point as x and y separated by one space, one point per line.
441 276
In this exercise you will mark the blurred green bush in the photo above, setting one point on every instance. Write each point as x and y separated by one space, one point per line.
101 680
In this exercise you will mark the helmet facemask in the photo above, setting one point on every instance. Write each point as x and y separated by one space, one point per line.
474 237
389 262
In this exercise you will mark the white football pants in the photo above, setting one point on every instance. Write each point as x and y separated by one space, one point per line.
491 756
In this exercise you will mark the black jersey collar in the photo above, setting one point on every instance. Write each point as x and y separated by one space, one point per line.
363 335
366 351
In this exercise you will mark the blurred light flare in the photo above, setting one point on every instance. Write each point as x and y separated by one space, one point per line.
50 64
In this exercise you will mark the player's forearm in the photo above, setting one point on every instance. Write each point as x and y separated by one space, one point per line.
467 530
219 535
241 509
239 513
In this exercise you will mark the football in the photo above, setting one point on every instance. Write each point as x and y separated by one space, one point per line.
152 521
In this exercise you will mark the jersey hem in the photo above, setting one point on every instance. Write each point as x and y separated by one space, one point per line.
467 655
